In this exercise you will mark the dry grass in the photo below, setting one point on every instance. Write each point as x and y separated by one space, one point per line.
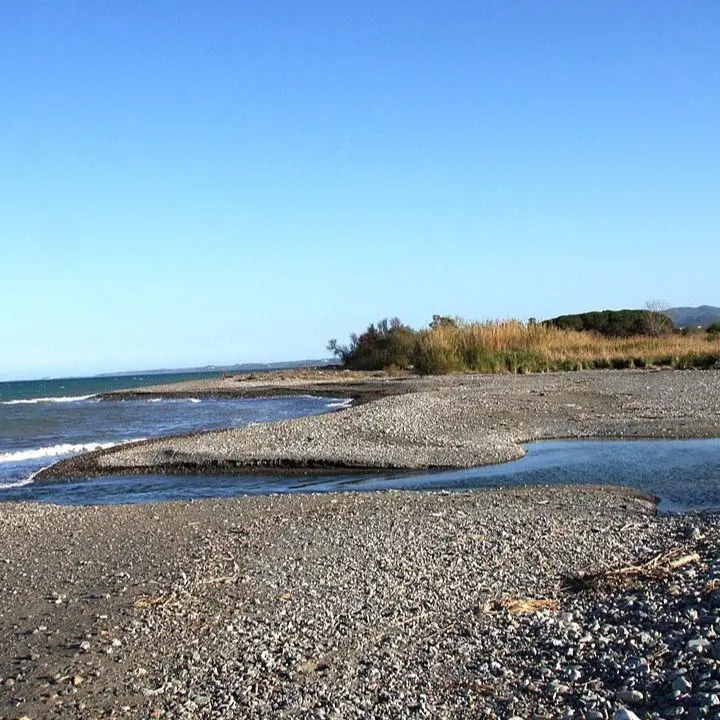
512 346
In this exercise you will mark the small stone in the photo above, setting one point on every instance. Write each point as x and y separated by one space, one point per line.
84 646
632 697
698 645
681 685
625 714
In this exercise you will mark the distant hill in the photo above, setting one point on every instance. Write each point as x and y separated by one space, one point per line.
694 316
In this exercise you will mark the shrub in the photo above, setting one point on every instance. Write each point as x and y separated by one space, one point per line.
390 343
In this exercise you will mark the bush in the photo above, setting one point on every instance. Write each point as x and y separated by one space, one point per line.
389 344
436 354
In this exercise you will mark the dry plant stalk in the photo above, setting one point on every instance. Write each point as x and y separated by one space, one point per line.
657 568
528 605
163 601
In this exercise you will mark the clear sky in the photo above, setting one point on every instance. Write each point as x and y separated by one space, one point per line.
187 183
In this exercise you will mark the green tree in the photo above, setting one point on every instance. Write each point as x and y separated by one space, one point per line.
389 343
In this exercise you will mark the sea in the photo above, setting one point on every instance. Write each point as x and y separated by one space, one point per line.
43 421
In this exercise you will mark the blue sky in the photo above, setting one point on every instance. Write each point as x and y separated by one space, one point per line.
187 183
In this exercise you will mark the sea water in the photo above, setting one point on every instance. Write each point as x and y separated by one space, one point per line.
44 421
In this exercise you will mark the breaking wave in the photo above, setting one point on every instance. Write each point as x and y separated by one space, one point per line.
35 401
340 403
57 450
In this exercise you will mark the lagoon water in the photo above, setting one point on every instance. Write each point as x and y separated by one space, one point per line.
55 421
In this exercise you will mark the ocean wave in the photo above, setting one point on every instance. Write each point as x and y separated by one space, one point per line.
35 401
57 450
175 400
18 483
339 403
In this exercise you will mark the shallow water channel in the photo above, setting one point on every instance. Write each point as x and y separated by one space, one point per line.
684 474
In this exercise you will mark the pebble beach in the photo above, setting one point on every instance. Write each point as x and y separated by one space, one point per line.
562 602
424 423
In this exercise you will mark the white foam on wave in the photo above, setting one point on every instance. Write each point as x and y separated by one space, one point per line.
339 403
20 482
35 401
57 450
174 400
15 484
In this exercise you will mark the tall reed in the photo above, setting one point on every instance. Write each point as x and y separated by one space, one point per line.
513 346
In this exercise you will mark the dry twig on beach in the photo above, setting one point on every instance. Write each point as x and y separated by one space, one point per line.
657 568
528 605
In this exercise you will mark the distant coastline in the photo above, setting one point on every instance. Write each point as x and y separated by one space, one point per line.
237 368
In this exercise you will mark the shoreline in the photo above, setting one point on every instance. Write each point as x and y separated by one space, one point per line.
417 423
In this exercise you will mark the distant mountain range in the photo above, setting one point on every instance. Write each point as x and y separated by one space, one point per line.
244 368
694 316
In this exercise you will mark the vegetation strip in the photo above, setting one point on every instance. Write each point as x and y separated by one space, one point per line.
623 339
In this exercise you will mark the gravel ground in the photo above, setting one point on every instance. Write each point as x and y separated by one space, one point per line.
378 605
382 605
439 422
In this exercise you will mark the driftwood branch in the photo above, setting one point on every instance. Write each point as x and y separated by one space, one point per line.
657 568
